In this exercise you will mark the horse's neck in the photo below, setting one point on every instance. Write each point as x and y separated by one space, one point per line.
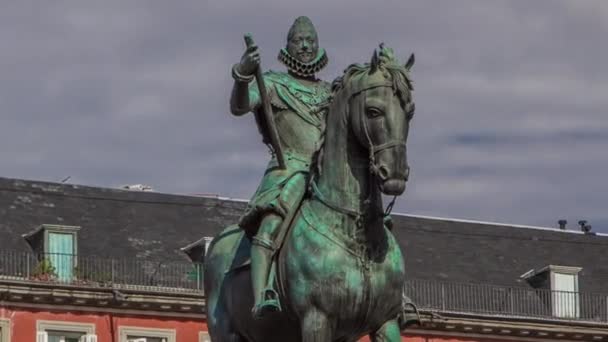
345 179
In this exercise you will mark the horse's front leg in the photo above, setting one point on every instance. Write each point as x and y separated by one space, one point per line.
389 332
316 327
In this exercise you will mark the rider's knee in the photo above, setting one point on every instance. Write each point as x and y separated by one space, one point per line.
270 226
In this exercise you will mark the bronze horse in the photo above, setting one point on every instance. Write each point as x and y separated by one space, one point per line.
340 271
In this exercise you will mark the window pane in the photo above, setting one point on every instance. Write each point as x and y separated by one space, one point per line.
145 339
64 336
565 282
565 296
61 248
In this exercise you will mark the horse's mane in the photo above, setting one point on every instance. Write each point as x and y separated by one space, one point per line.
384 61
387 63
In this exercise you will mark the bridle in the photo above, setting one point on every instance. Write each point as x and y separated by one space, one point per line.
374 169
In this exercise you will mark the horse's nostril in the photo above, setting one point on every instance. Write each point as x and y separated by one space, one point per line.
383 172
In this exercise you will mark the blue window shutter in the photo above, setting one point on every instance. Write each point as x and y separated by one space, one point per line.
61 254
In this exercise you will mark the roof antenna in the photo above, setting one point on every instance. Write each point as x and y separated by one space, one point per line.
66 179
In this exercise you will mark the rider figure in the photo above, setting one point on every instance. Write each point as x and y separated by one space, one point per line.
298 101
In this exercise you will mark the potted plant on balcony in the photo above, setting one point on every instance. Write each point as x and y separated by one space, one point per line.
44 271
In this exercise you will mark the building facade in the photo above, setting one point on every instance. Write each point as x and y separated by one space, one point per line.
81 263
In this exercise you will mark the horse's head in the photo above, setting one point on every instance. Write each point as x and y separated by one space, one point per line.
380 108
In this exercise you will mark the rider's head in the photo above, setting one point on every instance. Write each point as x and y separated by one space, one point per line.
302 55
302 40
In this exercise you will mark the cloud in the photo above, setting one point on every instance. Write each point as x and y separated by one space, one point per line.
511 106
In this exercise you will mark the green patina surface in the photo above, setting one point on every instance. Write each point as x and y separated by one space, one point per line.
299 112
337 272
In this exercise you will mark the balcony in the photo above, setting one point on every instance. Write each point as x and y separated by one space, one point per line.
84 271
507 302
186 278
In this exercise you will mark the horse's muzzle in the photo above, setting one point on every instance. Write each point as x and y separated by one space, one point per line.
393 187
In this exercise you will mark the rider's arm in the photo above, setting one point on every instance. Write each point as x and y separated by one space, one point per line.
245 96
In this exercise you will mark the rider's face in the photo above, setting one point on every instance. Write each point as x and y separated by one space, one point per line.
303 45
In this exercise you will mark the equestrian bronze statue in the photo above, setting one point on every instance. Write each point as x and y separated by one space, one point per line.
332 270
290 113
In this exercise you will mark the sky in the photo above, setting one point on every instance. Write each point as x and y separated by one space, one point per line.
511 123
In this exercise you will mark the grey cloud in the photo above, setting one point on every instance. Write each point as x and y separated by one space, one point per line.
510 95
559 137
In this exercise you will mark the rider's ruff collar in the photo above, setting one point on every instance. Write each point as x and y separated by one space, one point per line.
300 68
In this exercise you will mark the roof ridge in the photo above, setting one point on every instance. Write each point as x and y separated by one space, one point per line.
103 193
118 191
490 223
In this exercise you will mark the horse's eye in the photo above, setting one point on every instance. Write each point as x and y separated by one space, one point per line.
373 112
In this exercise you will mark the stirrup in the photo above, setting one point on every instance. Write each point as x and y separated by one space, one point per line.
270 303
409 316
270 300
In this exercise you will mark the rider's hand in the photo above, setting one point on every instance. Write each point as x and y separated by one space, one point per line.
250 61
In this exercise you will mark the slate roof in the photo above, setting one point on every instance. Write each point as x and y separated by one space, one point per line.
114 223
475 252
125 224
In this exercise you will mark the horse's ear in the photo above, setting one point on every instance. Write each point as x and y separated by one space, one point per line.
410 62
375 63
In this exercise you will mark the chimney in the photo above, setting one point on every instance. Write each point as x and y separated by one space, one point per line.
562 224
585 227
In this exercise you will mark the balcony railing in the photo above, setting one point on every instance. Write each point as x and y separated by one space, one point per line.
87 271
163 276
507 301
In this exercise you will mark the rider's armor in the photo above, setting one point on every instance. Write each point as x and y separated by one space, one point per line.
299 116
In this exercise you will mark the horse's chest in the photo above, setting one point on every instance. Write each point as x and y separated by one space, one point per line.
322 272
371 285
353 286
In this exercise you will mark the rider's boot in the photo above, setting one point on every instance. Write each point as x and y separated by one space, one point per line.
265 297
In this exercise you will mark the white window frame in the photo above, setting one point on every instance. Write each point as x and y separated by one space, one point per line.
5 330
203 336
208 241
76 327
88 338
125 331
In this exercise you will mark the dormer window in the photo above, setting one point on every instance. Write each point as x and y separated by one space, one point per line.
562 281
564 286
197 250
57 249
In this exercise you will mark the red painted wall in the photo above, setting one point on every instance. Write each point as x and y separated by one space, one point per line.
23 323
